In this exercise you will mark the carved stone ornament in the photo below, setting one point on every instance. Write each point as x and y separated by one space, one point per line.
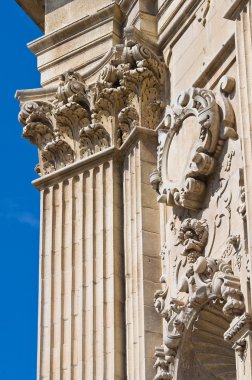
241 209
191 137
82 120
207 290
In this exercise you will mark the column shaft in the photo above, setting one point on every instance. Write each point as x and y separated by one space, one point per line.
82 298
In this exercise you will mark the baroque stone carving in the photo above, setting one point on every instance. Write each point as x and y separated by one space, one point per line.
193 236
131 86
209 120
77 122
237 326
241 209
63 128
202 282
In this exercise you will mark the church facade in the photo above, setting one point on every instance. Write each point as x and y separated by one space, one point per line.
143 130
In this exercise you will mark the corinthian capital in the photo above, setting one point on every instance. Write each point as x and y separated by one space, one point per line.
81 120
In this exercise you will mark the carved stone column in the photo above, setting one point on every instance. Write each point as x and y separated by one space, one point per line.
99 219
81 273
81 327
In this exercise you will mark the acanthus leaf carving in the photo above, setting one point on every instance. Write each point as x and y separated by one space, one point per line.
93 138
128 118
132 82
59 128
87 119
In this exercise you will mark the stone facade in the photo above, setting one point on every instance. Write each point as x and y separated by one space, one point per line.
143 130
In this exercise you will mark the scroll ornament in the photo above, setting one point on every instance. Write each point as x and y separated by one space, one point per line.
206 281
215 116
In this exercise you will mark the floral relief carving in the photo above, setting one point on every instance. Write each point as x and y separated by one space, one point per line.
210 121
193 235
77 122
207 282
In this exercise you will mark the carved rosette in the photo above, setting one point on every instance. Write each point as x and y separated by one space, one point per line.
208 283
82 120
206 120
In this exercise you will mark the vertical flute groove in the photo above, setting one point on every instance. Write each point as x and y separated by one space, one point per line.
67 284
56 317
134 264
140 307
89 317
40 298
128 265
84 271
47 285
99 301
75 273
80 222
105 253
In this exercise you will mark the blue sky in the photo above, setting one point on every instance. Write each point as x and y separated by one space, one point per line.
19 203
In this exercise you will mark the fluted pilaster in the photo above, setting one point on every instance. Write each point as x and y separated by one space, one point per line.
82 300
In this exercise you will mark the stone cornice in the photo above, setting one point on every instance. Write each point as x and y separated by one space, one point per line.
75 168
36 94
113 152
78 27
